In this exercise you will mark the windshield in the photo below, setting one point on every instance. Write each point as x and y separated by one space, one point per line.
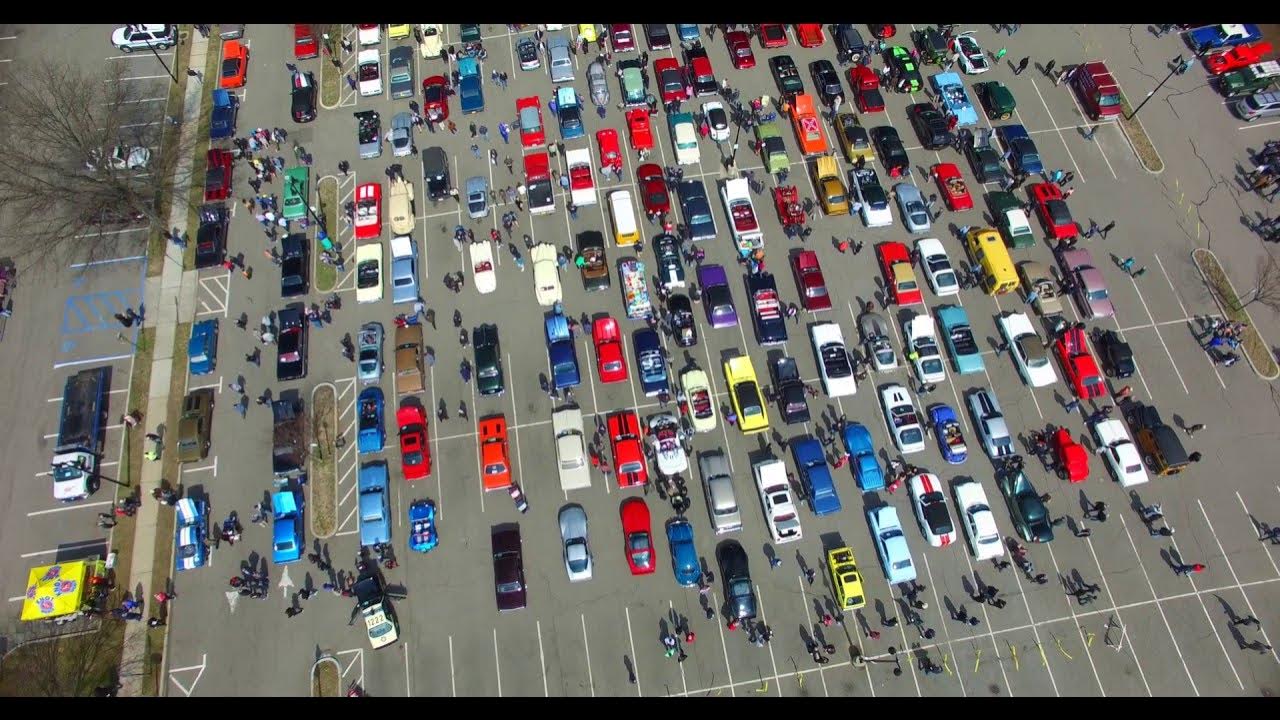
911 436
1098 294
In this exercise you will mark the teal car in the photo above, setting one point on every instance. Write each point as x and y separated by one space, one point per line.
965 354
488 360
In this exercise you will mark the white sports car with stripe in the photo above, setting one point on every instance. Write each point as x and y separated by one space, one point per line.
930 505
190 550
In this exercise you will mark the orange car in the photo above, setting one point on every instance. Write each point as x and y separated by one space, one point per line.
495 459
235 63
808 126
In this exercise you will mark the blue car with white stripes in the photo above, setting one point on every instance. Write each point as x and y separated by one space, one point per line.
190 546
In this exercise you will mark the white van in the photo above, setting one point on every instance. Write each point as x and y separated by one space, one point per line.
625 230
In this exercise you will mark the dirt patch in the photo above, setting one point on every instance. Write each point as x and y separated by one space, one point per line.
1142 147
330 74
324 497
326 678
1255 348
327 192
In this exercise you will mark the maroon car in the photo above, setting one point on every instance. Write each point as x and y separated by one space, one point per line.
217 175
508 568
653 189
813 287
622 38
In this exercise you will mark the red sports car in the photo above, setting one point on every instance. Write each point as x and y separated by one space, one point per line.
810 34
628 457
639 130
1236 57
772 35
813 287
883 32
609 357
739 44
1052 209
529 113
235 63
1071 457
368 211
217 175
495 460
671 79
610 153
866 89
1079 367
653 189
955 191
622 37
415 453
435 99
899 277
637 536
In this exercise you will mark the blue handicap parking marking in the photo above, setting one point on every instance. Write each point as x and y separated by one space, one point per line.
68 345
94 311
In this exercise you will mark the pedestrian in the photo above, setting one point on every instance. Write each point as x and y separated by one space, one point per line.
163 597
1194 457
453 129
1184 569
155 622
1127 265
293 611
1048 68
192 72
1088 134
351 81
505 132
1098 511
1138 273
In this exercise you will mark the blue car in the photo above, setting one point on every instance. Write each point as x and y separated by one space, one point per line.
1215 36
955 101
371 435
569 112
862 456
375 515
815 476
1025 158
684 556
222 119
202 348
470 92
286 526
946 427
652 366
960 341
891 544
687 33
189 548
561 355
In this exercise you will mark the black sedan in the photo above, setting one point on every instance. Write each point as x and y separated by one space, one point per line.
788 388
737 580
786 75
304 97
293 265
930 126
508 568
683 329
983 158
891 151
826 80
657 35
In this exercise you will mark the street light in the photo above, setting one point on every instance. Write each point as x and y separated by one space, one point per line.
162 62
860 661
1176 66
293 185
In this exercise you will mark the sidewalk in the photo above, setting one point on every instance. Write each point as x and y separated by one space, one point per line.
169 301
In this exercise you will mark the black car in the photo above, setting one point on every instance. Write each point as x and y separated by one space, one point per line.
211 237
681 313
291 344
786 75
767 309
657 35
826 80
595 268
304 97
293 265
983 158
737 580
696 209
849 43
509 588
488 360
930 125
931 43
891 151
527 54
788 388
1116 355
666 248
435 169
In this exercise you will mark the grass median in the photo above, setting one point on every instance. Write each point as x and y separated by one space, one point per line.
326 678
330 74
324 496
1259 355
327 192
1137 135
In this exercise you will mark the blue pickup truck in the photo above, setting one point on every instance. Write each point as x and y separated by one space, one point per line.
561 356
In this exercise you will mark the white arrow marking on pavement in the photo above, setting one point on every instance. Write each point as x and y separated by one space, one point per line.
285 582
232 597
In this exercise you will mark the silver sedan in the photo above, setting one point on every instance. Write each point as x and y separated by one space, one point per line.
573 535
915 215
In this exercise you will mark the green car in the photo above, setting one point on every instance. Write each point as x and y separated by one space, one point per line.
296 184
488 360
901 60
634 92
1246 81
996 99
470 33
772 151
1011 219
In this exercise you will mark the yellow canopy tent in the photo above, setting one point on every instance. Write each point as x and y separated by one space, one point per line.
59 589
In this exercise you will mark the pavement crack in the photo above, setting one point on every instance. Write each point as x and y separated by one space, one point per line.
1133 42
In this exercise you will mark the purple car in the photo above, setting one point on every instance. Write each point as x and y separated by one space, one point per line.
716 297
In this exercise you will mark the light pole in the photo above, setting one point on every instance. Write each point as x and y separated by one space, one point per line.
860 661
163 64
1176 67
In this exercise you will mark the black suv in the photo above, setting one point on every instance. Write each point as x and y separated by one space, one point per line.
930 125
488 360
304 97
293 265
211 237
849 44
1116 355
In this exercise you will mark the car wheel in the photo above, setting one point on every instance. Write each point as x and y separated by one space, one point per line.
1150 461
163 46
1062 474
126 49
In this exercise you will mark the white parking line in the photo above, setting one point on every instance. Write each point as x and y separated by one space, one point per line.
453 675
64 548
1251 127
1079 174
1266 550
635 663
1227 559
77 506
715 602
591 681
542 658
764 617
1186 316
497 666
946 632
1107 588
1163 344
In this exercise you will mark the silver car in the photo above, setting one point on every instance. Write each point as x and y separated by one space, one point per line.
721 502
875 335
477 197
992 429
402 134
573 537
561 63
597 84
915 215
369 361
1090 289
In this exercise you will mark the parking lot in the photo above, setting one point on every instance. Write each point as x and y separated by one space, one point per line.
1150 632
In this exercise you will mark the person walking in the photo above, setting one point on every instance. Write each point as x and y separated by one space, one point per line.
1048 68
1022 65
1191 430
1088 134
1184 569
293 611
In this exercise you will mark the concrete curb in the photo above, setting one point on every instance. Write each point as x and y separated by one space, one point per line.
1252 326
317 664
311 516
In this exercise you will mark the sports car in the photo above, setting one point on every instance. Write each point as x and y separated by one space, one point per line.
435 98
899 278
921 339
744 391
1237 57
235 63
624 440
532 133
739 45
368 211
610 362
701 406
990 424
650 364
972 59
574 543
1090 290
1052 210
930 505
1071 458
960 340
495 458
1027 349
190 549
780 512
875 337
369 353
834 366
653 189
1078 366
979 521
637 536
415 451
809 281
946 428
527 52
915 214
666 248
955 191
664 438
772 35
891 544
862 456
717 119
900 59
901 418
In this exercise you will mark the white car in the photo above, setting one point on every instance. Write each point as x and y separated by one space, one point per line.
684 136
369 34
144 37
483 274
368 272
571 449
121 158
1027 349
697 393
404 270
1115 446
922 339
432 40
872 197
937 267
546 274
400 206
979 521
664 438
717 119
992 429
834 366
582 181
930 506
743 222
575 543
780 511
971 57
901 418
369 73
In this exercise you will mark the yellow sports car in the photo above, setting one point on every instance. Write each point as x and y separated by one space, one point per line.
744 389
397 32
846 579
854 139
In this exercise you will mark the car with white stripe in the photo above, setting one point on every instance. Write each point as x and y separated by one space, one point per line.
930 506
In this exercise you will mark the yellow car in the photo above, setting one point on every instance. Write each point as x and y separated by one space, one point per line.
744 389
854 139
588 32
396 32
845 579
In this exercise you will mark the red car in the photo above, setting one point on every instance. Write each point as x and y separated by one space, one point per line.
495 460
813 287
739 44
622 38
610 153
883 32
653 189
235 63
435 99
899 277
810 34
955 191
866 89
671 80
217 175
1236 57
305 46
1071 458
1079 367
1052 209
628 457
609 357
415 453
529 115
637 536
638 129
368 211
772 35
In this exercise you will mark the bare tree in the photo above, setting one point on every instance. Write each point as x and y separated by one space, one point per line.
82 157
55 663
1266 284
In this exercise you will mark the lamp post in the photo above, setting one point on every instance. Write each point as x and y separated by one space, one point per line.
163 64
861 661
1176 67
293 185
